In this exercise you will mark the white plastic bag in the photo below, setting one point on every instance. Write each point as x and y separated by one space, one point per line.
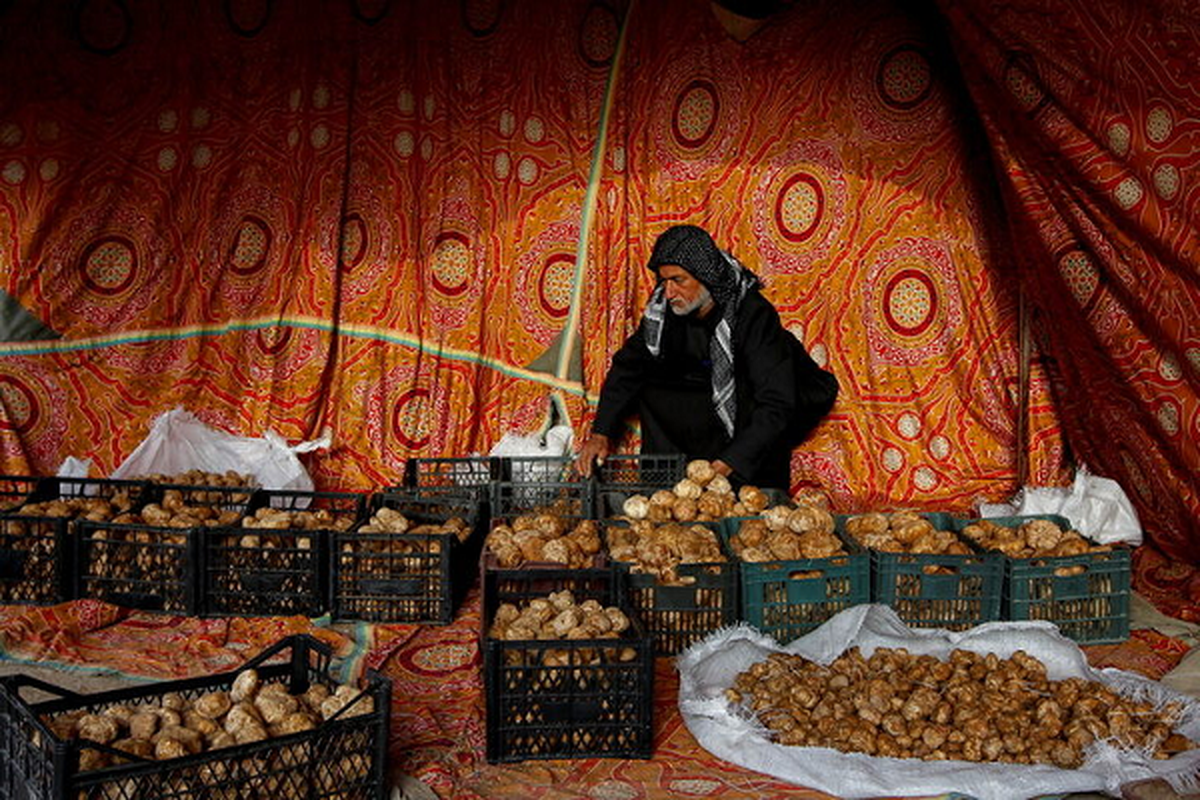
1097 507
710 666
178 442
556 442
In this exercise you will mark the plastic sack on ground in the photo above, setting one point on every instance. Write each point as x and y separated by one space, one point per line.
1097 507
709 667
178 441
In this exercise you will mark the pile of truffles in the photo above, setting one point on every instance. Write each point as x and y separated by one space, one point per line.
96 509
202 478
789 534
556 617
174 725
545 537
703 496
970 707
177 511
1035 538
659 549
420 538
321 519
904 532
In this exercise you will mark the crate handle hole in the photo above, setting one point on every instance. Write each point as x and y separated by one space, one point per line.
806 575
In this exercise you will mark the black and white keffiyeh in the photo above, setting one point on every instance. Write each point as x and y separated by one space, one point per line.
691 248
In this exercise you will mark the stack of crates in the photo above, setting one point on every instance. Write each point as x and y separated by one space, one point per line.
154 563
565 698
343 756
276 562
38 531
417 576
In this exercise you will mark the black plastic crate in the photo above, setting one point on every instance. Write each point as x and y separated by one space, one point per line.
35 560
146 567
36 554
512 499
465 472
15 490
631 469
573 698
623 475
410 577
787 598
678 616
539 469
343 757
276 563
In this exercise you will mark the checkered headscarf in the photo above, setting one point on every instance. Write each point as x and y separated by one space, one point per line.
691 248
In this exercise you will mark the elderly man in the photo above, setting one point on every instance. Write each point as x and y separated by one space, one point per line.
718 378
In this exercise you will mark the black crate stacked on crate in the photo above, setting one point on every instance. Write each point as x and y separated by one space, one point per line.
473 473
511 499
1085 595
418 576
36 537
472 476
677 615
565 698
623 475
344 756
930 590
276 562
155 564
787 598
15 490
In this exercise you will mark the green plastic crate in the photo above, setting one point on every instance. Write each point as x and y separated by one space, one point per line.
1091 607
954 592
787 599
1086 596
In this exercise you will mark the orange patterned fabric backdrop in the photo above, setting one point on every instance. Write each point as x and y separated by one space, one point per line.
412 223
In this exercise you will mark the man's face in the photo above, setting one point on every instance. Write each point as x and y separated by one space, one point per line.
684 292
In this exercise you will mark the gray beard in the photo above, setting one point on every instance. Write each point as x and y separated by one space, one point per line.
703 297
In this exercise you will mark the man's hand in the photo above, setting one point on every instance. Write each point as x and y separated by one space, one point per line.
721 468
594 451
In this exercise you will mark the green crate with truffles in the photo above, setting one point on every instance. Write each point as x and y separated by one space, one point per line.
1051 572
925 571
796 570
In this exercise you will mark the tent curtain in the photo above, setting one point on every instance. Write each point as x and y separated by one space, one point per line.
1093 114
412 223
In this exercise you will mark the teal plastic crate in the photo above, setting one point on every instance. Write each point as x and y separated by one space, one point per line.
787 599
954 592
1086 596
